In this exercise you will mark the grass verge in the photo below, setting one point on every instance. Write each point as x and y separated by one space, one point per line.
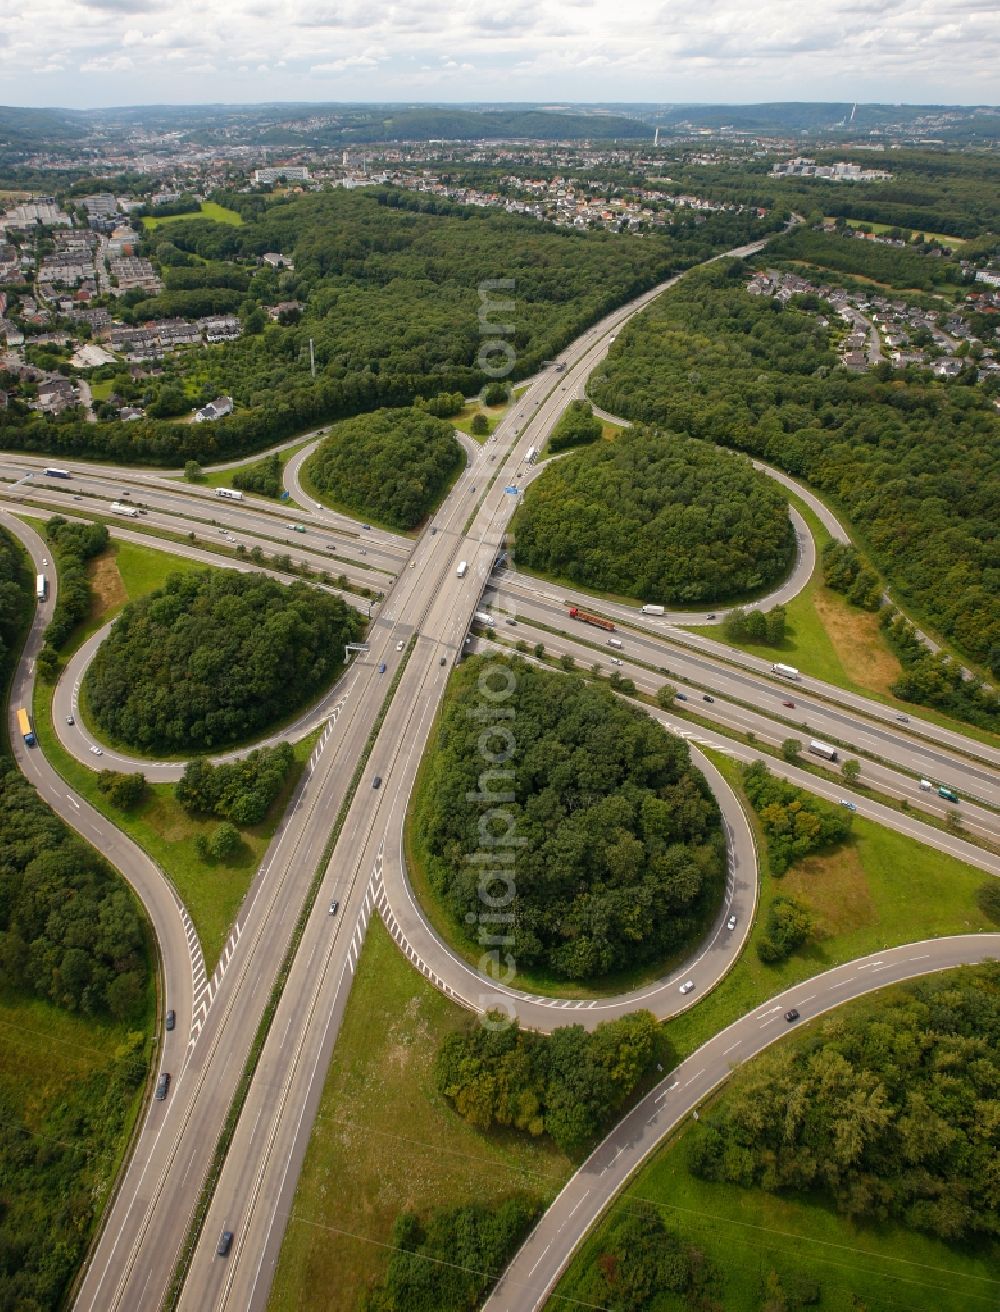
224 477
385 1140
212 891
877 890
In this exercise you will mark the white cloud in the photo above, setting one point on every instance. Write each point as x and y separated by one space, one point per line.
915 50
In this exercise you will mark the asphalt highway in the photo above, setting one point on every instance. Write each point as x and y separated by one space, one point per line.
422 625
530 1278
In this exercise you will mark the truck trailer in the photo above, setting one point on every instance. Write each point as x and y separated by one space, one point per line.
41 587
487 621
575 613
654 610
828 752
24 725
120 508
786 671
229 494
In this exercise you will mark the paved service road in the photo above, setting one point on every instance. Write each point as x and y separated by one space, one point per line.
532 1275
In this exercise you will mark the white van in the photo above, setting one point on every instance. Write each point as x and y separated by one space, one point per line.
462 569
614 642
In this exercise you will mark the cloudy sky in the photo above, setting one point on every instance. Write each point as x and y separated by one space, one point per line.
117 52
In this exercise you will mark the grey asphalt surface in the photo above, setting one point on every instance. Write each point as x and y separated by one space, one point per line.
531 1277
820 709
892 781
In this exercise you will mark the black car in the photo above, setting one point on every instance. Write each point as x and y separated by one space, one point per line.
705 697
162 1085
681 696
791 1015
225 1244
377 781
171 1019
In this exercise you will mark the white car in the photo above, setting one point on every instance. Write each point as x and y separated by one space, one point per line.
96 750
687 986
731 922
400 646
616 661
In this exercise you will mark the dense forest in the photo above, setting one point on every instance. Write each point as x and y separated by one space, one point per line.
569 1084
69 934
393 466
930 191
214 657
657 517
576 427
69 929
915 464
241 791
449 1260
641 1263
620 855
889 1109
15 591
393 286
893 265
74 545
796 822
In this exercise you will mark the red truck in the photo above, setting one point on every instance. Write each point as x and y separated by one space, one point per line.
575 613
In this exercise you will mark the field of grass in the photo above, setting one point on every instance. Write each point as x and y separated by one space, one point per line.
224 477
748 1233
941 237
463 420
209 210
212 891
878 890
385 1140
101 388
57 1069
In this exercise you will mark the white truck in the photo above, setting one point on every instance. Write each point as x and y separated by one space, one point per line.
786 671
826 750
529 455
487 621
229 493
654 610
120 508
463 569
41 587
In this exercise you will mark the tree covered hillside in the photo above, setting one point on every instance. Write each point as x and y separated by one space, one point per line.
620 854
392 288
215 657
916 464
393 465
657 517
